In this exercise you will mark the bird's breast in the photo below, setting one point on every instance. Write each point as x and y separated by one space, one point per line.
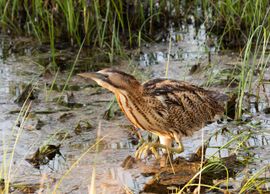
131 111
139 114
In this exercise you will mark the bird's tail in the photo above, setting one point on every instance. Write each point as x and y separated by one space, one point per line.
219 97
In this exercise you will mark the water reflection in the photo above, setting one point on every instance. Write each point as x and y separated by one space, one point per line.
124 178
187 45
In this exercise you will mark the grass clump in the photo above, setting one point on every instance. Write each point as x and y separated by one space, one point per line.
109 24
234 20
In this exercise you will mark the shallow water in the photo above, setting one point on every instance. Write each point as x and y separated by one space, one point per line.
101 169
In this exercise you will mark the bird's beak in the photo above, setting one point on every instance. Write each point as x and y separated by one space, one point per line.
93 75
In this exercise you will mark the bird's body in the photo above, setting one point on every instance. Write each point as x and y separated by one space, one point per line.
170 109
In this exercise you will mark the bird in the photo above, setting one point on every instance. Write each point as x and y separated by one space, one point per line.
168 108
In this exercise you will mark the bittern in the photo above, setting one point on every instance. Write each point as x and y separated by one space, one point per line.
168 108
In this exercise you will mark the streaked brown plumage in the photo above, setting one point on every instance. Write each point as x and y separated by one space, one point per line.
170 109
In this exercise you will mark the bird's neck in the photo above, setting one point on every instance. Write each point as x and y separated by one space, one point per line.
135 90
129 101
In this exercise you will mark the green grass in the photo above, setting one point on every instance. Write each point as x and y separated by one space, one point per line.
97 21
111 24
6 169
243 24
233 20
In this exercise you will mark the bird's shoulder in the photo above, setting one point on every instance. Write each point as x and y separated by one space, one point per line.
164 86
176 92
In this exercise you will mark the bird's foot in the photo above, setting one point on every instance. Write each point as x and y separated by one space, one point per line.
147 146
153 147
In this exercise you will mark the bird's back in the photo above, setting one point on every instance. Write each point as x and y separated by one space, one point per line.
184 107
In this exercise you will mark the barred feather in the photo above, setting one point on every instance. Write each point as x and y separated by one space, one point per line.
169 108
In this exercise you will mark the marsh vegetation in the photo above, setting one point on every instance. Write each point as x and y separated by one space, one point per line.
60 134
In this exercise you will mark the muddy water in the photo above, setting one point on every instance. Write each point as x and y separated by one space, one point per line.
83 167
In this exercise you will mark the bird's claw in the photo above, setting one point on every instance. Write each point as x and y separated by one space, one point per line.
145 147
152 146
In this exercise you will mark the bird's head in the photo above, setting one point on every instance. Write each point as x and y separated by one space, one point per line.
113 80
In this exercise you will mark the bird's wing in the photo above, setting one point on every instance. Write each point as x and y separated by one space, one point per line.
188 107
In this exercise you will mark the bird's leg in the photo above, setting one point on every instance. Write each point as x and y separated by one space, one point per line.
167 156
165 143
142 141
144 146
143 149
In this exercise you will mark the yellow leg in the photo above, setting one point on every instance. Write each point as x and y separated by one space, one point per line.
153 147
